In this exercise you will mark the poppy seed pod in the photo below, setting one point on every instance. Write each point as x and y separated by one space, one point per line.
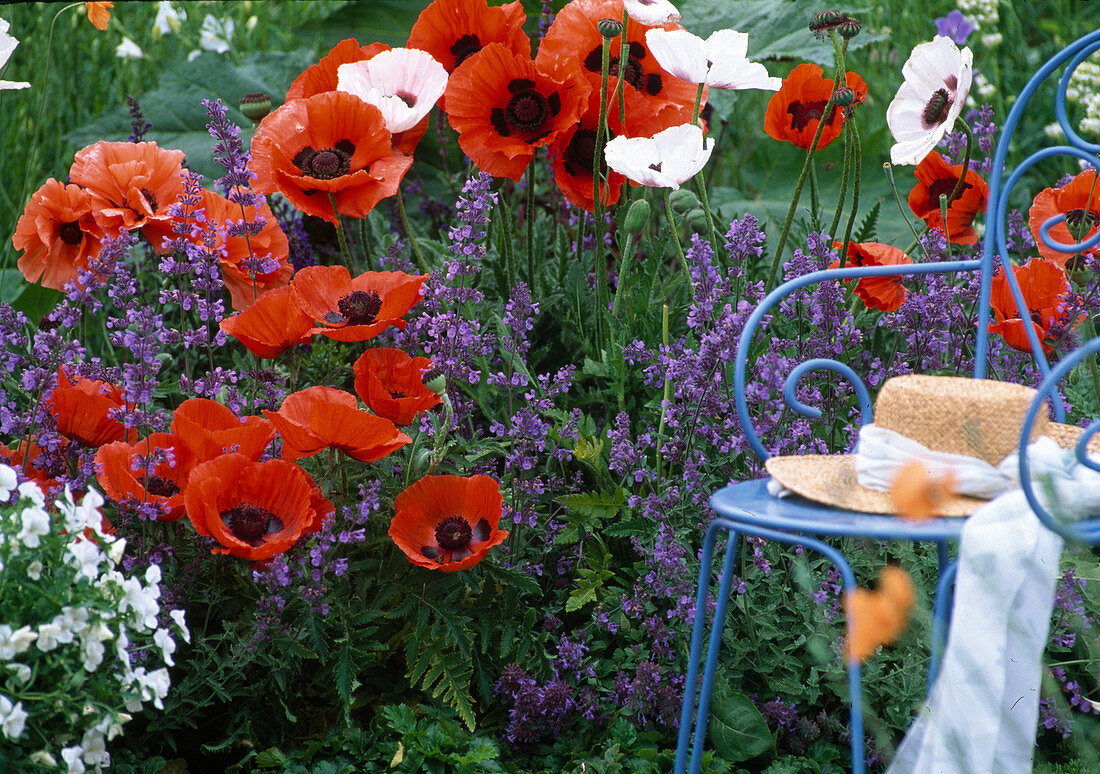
844 96
255 106
637 217
609 28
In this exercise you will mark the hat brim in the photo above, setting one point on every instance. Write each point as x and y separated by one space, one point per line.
831 479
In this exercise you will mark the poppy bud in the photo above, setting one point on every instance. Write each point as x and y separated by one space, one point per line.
609 28
697 220
844 96
824 21
435 381
849 27
636 217
683 201
255 106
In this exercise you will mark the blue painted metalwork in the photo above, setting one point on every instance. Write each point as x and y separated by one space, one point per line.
747 508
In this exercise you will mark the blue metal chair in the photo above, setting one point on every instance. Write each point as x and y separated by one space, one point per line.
747 508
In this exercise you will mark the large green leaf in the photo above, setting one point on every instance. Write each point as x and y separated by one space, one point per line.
737 728
174 107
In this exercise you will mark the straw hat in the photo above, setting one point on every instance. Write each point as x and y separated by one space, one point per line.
974 417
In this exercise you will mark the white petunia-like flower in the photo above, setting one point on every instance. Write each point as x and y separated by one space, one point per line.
12 643
9 479
166 644
74 759
216 34
651 12
169 19
95 747
404 83
8 45
128 49
34 570
86 557
141 600
93 652
36 524
664 160
937 80
13 718
720 61
30 490
22 671
177 616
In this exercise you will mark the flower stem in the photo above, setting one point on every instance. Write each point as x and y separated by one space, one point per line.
676 236
420 260
888 168
341 237
857 162
665 393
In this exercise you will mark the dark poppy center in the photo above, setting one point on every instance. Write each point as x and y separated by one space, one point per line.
465 47
406 97
936 110
580 152
453 533
944 187
327 163
633 72
360 307
1080 222
802 113
70 233
398 395
527 110
158 485
150 198
250 523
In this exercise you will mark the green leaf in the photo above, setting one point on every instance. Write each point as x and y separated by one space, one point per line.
737 728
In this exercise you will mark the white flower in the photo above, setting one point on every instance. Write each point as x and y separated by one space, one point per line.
95 747
9 479
404 83
30 490
141 600
12 643
169 19
154 685
36 524
651 12
72 756
937 80
719 61
22 671
49 635
34 570
7 48
177 616
166 644
114 553
12 719
86 558
128 49
216 34
93 654
664 160
43 758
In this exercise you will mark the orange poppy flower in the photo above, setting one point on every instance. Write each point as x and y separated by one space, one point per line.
271 325
99 13
935 179
355 309
323 77
454 30
208 429
42 467
1044 286
83 407
319 417
161 485
883 293
879 617
254 509
795 110
574 35
448 523
916 494
1079 201
271 241
131 185
58 234
504 106
391 383
331 143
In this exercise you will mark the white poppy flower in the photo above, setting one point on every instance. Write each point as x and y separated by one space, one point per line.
128 49
664 160
404 83
719 61
7 48
651 12
937 80
216 34
169 18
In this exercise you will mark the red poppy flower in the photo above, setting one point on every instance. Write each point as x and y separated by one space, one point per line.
1044 286
99 13
57 233
934 179
1079 201
795 110
271 241
454 30
355 309
391 383
160 483
42 467
208 429
323 77
271 325
131 185
574 35
254 509
83 409
332 143
319 417
448 523
883 293
572 152
504 106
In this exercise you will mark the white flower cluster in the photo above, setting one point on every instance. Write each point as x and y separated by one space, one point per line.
985 17
66 677
1084 89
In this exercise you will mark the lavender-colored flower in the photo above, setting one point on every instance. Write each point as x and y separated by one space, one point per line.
138 125
230 152
954 26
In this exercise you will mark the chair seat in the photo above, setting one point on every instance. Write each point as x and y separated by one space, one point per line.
750 503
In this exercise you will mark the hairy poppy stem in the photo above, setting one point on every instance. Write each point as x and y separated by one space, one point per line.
857 161
843 189
888 168
676 236
341 237
665 393
599 263
420 260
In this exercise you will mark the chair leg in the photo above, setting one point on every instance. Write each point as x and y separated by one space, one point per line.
941 617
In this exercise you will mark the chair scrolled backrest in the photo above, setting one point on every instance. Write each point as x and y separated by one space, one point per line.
994 248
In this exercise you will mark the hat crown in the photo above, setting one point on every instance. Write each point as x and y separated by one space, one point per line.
975 417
